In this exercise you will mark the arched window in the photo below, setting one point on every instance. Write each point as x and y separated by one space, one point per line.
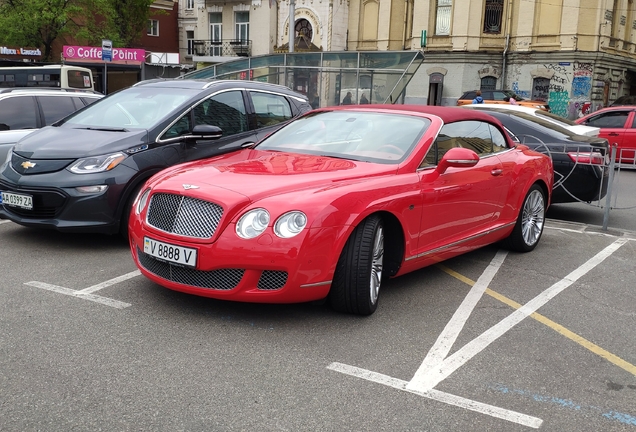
488 83
303 28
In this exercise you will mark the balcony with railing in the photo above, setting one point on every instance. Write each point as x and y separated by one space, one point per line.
222 48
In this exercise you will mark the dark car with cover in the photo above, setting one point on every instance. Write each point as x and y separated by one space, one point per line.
580 172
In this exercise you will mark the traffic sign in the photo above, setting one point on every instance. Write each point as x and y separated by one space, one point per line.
107 50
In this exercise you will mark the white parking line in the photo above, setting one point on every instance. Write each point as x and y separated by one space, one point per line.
87 293
439 396
474 347
92 297
110 282
447 338
435 368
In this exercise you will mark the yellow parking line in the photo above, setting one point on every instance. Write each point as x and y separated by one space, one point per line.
548 322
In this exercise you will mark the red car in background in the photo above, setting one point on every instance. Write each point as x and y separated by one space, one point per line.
618 126
337 201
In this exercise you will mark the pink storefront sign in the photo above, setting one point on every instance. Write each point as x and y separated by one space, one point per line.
87 53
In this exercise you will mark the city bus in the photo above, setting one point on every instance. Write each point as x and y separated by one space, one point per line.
57 76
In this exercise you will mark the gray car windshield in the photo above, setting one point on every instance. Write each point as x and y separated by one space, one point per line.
355 135
131 108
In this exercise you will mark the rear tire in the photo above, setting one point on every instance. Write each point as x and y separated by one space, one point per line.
356 284
530 222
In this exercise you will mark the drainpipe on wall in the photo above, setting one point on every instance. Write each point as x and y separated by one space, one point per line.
503 63
505 51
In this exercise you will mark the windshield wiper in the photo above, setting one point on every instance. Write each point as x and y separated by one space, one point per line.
105 128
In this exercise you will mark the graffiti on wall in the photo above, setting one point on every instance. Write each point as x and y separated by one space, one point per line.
582 81
569 89
558 102
523 93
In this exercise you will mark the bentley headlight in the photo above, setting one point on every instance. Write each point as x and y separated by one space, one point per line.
142 200
97 164
290 224
252 223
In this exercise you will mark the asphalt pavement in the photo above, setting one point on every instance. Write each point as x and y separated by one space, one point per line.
487 341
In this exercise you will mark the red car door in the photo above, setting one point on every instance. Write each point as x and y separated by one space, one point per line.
614 125
462 202
627 149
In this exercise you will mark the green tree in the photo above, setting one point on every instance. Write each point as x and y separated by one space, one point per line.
129 19
38 23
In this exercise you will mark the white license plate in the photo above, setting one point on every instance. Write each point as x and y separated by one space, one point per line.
17 200
171 253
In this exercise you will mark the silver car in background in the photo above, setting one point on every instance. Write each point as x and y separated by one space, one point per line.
23 110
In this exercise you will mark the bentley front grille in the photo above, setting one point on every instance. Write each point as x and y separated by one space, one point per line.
223 279
272 280
184 215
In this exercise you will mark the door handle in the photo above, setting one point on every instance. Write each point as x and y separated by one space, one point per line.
496 171
612 134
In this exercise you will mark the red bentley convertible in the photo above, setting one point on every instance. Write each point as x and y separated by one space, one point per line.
336 201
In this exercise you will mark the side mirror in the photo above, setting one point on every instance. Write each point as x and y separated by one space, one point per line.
205 132
458 157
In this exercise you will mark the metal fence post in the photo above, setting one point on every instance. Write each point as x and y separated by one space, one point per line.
610 180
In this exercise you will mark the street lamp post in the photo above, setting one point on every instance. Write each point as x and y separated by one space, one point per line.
292 26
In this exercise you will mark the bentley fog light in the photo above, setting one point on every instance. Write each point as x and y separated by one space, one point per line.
252 223
290 224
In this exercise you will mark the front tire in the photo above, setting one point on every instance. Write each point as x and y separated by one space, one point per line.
530 222
125 216
356 284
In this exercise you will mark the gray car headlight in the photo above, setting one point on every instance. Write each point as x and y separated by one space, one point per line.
290 224
9 154
252 223
96 164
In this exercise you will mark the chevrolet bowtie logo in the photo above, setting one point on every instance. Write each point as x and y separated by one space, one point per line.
27 165
189 186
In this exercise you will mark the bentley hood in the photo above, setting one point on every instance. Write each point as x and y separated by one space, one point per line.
258 174
54 142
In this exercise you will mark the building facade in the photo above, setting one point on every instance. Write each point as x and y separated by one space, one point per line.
573 54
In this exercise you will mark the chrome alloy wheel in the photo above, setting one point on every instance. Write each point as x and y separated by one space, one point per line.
376 265
533 217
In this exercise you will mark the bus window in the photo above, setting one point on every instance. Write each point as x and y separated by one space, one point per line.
59 76
79 79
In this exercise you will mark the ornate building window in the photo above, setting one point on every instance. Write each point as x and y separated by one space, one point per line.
369 20
443 17
493 16
304 30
